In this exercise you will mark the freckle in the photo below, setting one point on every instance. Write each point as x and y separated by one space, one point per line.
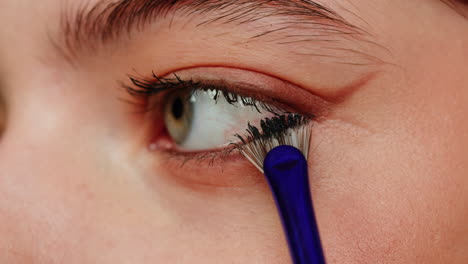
89 196
85 190
82 187
110 244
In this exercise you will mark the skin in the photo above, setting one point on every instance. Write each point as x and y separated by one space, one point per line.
388 161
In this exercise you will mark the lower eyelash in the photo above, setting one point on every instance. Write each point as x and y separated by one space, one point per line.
270 128
211 157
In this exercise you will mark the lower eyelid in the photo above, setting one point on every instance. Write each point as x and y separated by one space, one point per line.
165 144
228 172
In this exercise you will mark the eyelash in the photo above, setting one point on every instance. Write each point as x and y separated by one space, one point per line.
146 88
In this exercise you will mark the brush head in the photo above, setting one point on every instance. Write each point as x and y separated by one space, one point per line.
290 130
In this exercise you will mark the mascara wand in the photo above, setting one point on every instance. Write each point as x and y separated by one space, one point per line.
281 151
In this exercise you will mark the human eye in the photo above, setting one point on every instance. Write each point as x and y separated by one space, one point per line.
202 115
205 114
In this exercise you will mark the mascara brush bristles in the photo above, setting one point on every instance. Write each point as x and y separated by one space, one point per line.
292 130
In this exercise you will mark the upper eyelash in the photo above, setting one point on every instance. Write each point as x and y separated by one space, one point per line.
145 87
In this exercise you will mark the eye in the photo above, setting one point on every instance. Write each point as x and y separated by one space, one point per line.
209 114
208 119
202 112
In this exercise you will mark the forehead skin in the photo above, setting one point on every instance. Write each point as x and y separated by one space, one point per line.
388 167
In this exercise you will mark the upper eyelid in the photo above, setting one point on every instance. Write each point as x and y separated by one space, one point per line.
267 100
156 85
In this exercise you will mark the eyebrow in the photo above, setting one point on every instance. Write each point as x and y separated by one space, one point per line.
86 28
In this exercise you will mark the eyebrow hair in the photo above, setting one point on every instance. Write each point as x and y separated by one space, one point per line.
87 27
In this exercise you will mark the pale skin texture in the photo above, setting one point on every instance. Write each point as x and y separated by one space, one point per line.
388 163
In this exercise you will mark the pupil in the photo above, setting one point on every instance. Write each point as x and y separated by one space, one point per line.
178 108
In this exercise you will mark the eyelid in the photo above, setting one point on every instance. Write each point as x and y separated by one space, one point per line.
262 87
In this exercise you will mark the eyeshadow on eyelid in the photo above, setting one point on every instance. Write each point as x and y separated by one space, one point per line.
317 99
260 87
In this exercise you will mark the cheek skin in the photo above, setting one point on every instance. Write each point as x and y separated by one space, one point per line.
403 204
398 194
219 211
238 223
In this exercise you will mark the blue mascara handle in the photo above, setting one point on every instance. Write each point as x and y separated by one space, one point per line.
286 171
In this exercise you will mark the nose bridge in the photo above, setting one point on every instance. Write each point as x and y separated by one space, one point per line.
59 148
33 148
41 200
43 140
34 122
28 84
37 175
25 149
28 207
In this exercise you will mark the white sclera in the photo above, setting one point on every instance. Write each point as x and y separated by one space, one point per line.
215 123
